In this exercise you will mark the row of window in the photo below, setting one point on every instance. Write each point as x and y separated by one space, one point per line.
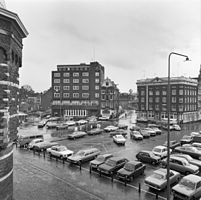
75 74
107 104
76 87
97 80
63 68
174 99
75 95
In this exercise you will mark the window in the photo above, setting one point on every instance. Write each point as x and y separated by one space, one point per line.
76 87
75 80
97 74
142 107
150 107
151 99
85 87
142 92
180 107
56 74
142 99
66 95
150 92
174 100
157 99
85 95
157 92
66 74
66 80
103 96
85 80
174 91
75 74
96 95
56 80
180 100
103 104
173 107
56 95
181 92
96 87
164 92
156 107
66 87
75 95
85 73
57 88
111 97
164 99
97 80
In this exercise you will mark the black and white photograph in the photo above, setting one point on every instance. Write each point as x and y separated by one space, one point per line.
100 100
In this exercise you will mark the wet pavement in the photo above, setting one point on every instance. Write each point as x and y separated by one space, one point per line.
36 177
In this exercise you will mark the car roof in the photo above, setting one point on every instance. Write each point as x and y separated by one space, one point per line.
193 178
133 162
145 151
106 154
90 150
177 158
161 147
116 158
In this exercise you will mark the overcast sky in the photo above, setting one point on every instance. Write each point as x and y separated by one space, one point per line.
130 38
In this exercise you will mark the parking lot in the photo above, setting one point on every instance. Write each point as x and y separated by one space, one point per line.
91 184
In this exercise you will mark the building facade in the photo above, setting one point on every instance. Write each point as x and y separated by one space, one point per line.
76 89
128 101
153 97
12 31
109 99
199 94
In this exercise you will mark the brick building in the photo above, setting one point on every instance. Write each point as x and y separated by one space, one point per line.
76 89
152 99
109 99
12 31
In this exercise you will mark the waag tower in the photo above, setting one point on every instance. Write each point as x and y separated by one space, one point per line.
12 31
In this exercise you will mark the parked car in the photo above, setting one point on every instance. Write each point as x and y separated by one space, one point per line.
118 132
51 124
95 131
83 155
197 145
70 123
77 134
155 128
148 157
100 159
145 133
190 150
112 165
34 141
123 126
176 127
42 146
135 128
186 139
42 123
189 159
150 131
131 170
110 128
189 188
59 151
62 126
160 151
173 144
136 135
119 139
81 122
181 165
195 134
158 179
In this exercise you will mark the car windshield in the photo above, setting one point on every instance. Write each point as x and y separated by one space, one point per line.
187 183
100 158
119 136
111 163
158 175
156 149
185 162
129 167
186 137
62 148
80 153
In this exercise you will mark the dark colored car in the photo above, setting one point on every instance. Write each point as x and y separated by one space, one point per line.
173 144
190 150
118 132
148 157
186 139
95 131
100 159
131 170
135 128
136 135
123 126
77 134
112 165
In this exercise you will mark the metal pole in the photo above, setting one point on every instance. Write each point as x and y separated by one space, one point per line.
168 113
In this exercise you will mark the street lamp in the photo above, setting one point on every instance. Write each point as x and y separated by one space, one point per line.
168 112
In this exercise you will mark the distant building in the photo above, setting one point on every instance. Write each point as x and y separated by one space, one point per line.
199 94
152 99
128 101
46 100
109 99
76 89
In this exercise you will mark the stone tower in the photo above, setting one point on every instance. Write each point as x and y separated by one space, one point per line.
12 31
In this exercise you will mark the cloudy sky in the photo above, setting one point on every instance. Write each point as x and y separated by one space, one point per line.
131 38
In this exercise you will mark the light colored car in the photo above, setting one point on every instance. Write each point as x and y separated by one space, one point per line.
35 141
197 145
186 139
188 188
95 131
150 131
145 133
82 122
195 134
70 123
158 180
119 139
173 144
100 160
59 151
155 128
110 128
160 151
176 127
83 155
77 134
136 135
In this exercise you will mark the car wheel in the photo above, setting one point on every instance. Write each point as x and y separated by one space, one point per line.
187 173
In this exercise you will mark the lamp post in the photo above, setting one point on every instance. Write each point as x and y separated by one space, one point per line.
168 112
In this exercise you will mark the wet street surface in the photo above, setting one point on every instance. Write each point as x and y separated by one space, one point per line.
36 177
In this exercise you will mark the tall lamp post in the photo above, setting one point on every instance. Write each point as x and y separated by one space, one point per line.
168 112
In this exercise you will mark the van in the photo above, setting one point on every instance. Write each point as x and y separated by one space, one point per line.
43 146
34 141
24 140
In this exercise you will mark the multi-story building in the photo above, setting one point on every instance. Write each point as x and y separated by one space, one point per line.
76 89
109 99
153 97
12 31
128 101
199 94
